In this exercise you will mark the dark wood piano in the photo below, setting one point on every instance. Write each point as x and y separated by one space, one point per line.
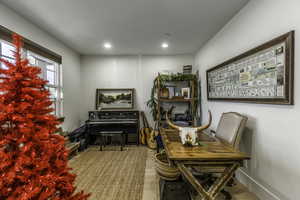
114 120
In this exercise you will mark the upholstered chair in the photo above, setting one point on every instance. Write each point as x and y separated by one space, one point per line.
229 130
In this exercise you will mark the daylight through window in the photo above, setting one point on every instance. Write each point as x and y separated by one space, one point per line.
50 71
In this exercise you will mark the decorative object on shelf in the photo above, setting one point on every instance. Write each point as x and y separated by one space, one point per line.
187 69
115 98
264 74
188 135
34 160
178 92
171 91
164 93
185 92
161 81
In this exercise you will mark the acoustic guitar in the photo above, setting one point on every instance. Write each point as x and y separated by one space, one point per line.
150 134
142 132
146 130
151 142
142 136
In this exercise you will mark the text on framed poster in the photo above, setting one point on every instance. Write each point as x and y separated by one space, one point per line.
261 75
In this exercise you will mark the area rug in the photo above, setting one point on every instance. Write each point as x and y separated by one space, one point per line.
111 174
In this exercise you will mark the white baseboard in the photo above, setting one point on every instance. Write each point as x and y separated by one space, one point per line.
258 189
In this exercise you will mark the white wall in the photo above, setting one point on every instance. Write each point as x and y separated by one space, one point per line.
70 61
274 139
124 72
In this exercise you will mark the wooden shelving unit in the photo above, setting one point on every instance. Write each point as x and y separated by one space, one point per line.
175 100
192 103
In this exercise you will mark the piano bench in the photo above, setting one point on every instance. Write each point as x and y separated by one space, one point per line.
104 134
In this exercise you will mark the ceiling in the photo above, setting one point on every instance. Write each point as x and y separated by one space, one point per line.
132 26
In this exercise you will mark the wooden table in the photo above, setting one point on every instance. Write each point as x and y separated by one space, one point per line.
213 153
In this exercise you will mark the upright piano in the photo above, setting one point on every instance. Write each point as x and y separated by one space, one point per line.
114 120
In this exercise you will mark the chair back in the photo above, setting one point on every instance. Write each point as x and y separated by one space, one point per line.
230 128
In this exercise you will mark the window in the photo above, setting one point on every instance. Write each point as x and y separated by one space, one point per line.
50 71
6 52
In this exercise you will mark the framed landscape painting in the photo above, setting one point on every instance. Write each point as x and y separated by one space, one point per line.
115 98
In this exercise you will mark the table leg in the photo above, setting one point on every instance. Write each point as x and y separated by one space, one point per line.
222 180
215 189
193 181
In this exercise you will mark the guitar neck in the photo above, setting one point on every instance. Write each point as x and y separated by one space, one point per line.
146 121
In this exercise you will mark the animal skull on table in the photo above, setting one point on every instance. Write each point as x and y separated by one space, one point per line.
188 135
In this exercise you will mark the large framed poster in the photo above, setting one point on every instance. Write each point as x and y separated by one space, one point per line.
264 74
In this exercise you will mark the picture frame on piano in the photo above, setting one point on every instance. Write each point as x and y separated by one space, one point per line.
118 98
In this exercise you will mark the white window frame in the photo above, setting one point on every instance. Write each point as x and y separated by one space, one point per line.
4 56
58 85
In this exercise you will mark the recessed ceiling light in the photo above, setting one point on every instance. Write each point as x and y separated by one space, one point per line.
164 45
107 45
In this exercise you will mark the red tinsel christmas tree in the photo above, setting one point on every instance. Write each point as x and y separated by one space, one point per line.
33 159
